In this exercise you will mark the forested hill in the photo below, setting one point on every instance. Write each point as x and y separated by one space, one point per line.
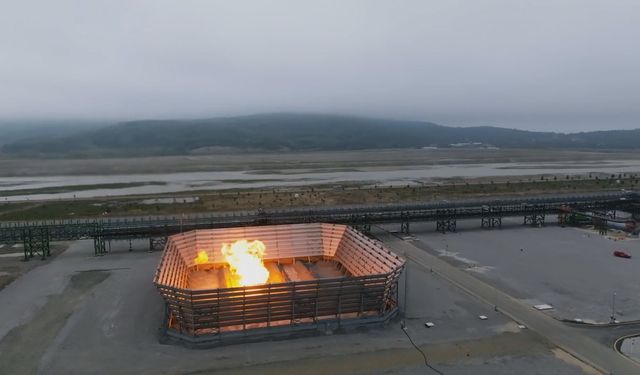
297 132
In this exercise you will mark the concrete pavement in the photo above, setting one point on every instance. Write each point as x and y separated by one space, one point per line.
560 334
112 328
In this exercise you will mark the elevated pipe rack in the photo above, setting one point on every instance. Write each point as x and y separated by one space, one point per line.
445 214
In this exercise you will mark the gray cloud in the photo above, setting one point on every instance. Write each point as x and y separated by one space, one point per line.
545 64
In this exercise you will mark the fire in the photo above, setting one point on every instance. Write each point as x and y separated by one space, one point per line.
202 258
245 262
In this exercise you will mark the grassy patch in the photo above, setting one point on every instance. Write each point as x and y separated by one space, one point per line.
325 195
52 210
238 181
72 188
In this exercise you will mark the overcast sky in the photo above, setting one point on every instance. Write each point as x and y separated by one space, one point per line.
561 65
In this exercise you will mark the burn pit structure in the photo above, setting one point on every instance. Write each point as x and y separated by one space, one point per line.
364 292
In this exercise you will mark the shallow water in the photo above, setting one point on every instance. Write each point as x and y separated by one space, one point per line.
190 181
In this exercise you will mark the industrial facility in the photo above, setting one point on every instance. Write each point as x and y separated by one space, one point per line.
224 284
503 281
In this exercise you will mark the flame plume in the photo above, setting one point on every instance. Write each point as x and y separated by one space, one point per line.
245 262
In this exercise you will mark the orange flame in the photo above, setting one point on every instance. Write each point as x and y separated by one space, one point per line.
245 262
202 258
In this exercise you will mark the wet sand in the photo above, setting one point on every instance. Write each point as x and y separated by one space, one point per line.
280 162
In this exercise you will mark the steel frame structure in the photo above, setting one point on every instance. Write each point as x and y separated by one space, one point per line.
491 216
367 294
535 218
36 242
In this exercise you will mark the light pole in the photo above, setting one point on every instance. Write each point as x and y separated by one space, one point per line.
613 308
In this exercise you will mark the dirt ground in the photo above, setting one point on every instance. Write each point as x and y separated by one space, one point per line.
12 263
31 340
469 352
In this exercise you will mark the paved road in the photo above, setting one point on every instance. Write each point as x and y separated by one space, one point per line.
568 338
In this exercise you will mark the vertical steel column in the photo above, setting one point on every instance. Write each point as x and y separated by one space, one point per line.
26 240
99 246
491 217
36 240
268 306
404 227
293 303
